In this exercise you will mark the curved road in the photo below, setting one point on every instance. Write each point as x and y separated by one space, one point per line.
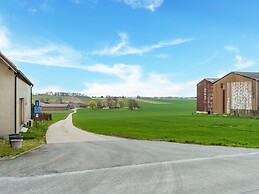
101 164
65 132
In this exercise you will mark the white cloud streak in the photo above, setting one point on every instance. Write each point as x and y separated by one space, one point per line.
150 5
4 41
230 48
123 47
162 56
242 64
38 6
131 80
207 61
53 55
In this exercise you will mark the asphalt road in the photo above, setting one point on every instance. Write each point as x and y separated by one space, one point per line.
131 166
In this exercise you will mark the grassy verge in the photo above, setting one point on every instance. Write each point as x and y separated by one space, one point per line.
173 122
33 137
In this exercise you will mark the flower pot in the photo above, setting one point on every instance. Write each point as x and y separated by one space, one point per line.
16 143
14 136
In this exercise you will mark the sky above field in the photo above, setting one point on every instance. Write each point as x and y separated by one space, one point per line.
129 47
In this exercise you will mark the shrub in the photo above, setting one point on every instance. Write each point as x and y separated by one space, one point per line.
133 104
92 104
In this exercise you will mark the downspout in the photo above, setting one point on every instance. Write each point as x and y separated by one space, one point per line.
31 102
256 95
15 103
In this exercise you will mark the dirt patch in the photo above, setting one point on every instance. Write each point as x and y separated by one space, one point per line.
152 102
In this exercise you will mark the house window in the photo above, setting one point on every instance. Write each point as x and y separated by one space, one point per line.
21 110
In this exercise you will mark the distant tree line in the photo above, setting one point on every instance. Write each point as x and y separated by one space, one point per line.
113 102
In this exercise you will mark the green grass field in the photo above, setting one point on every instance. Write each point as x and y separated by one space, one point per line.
174 122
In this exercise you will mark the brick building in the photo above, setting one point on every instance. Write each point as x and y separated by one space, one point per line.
236 93
205 95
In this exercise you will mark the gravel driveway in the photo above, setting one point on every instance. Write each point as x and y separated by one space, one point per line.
65 132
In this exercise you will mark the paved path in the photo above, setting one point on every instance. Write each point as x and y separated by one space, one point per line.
131 166
65 132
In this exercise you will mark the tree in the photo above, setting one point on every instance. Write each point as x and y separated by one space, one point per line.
133 104
47 100
109 101
121 103
92 104
104 103
99 104
60 100
115 102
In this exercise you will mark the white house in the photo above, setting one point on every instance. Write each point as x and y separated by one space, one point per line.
15 98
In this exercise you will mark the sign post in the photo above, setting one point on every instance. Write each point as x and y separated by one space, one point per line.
37 111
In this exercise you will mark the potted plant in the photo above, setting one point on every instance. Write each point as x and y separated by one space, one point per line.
15 140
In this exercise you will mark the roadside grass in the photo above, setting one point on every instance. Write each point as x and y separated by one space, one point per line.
173 122
34 137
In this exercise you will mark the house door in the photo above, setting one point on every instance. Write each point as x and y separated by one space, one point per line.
223 102
21 112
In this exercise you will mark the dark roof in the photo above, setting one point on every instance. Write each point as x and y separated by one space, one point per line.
252 75
14 68
54 105
212 80
24 78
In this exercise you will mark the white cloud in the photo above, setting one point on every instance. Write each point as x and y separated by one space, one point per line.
242 64
122 71
48 89
151 5
4 40
115 50
131 80
142 88
230 48
134 83
124 48
162 56
51 55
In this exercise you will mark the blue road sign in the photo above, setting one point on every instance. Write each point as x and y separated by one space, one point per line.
37 103
36 110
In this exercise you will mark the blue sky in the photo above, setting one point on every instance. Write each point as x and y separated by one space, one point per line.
129 47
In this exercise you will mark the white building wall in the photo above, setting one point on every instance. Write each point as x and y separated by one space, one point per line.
23 92
7 80
241 96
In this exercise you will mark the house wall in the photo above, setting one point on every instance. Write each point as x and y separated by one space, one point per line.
24 95
234 93
205 96
7 80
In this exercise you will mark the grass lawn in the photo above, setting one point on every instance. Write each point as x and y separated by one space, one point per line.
172 121
33 137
